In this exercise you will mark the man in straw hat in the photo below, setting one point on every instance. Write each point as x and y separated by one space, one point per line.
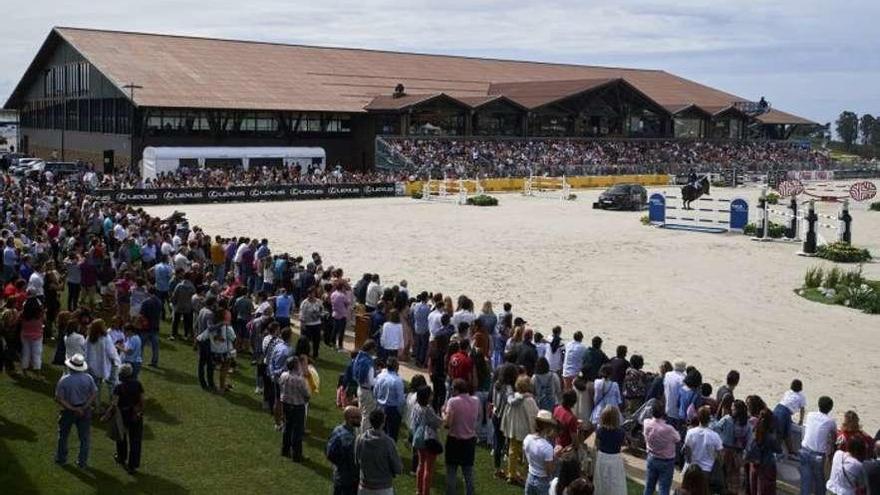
75 392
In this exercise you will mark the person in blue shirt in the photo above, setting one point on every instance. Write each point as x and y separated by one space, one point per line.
422 334
133 351
689 393
377 319
283 305
390 396
75 393
162 276
340 453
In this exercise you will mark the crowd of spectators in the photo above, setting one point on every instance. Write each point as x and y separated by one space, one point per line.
236 176
489 377
555 157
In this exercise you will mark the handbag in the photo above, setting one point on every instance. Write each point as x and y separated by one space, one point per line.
117 430
434 446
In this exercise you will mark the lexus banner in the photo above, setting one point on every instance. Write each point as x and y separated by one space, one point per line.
248 193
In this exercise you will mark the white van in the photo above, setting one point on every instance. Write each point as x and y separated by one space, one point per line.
158 160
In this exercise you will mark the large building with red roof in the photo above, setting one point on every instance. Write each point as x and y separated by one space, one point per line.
102 96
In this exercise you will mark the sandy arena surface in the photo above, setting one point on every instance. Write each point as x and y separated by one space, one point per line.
717 301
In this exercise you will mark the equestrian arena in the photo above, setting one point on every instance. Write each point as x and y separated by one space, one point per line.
718 301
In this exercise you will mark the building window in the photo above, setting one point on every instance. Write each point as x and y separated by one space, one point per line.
266 122
688 127
338 123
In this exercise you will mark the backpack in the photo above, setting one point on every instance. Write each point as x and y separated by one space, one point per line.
544 392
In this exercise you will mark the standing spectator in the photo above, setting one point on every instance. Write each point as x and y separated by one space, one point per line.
283 308
736 434
660 440
340 301
518 421
610 477
31 321
847 472
761 454
850 429
502 392
391 337
364 369
672 384
702 445
182 305
420 312
460 417
373 293
425 423
607 393
568 422
527 353
390 396
162 272
340 453
294 397
547 386
74 279
151 311
101 357
128 400
574 360
555 352
595 357
205 321
635 384
221 340
872 469
541 454
377 456
793 402
310 313
656 386
619 366
75 393
132 350
817 445
729 386
360 289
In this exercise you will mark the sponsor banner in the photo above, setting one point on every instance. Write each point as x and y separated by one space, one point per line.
247 193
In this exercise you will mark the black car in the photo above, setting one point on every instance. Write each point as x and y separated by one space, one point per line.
623 197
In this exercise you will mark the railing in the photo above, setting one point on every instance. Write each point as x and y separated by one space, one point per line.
389 158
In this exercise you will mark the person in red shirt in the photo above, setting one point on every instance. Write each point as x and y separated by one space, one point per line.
460 364
567 420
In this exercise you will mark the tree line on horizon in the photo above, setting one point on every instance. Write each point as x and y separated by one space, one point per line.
860 134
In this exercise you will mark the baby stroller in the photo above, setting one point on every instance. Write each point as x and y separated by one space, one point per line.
634 439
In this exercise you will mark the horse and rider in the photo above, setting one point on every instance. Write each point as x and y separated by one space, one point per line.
695 187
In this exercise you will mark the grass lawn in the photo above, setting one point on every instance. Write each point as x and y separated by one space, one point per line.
193 441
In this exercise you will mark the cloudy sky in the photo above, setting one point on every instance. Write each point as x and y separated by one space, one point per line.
813 58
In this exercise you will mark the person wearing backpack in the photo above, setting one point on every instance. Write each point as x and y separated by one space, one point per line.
547 386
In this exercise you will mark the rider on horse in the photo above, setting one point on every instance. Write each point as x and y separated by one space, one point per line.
692 178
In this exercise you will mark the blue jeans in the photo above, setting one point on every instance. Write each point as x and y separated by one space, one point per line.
83 423
812 471
153 339
659 470
392 421
220 273
537 486
452 479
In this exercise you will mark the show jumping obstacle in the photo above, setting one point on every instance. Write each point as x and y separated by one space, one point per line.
712 215
547 187
451 190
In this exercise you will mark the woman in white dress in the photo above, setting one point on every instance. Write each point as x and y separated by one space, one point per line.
610 475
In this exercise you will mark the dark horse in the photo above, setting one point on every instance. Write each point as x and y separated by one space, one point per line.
691 192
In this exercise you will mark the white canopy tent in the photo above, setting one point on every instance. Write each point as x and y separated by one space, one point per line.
158 160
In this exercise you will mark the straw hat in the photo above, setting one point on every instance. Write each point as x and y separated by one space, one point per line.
545 417
77 363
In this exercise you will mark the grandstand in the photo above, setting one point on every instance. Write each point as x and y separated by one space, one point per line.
103 96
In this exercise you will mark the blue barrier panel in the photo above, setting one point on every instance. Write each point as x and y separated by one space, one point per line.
657 209
739 214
